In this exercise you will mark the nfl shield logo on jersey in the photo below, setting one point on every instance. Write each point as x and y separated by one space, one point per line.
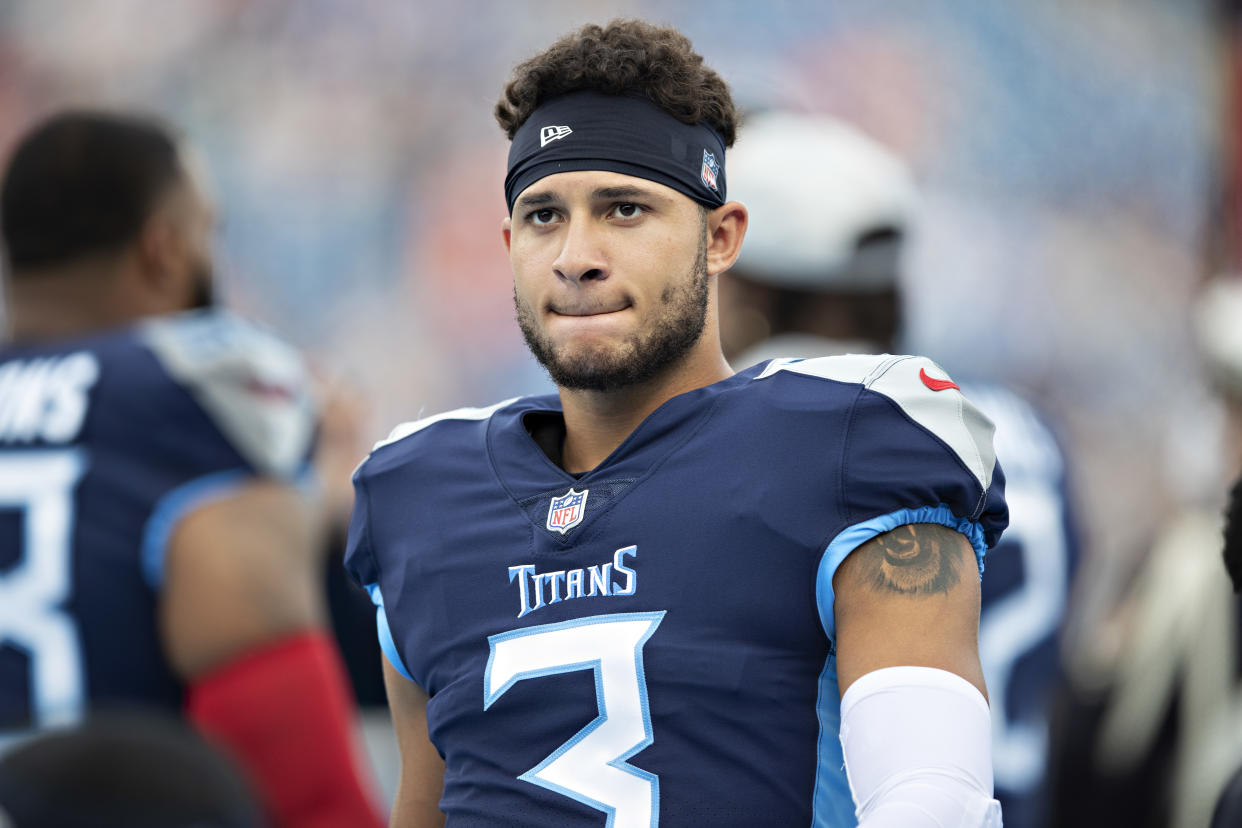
711 169
565 512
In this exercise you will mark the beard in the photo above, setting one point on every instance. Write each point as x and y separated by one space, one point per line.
675 327
203 287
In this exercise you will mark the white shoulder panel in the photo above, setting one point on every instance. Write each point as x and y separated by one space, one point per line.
857 368
406 429
924 392
254 387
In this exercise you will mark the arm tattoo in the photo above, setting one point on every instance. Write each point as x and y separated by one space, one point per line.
922 562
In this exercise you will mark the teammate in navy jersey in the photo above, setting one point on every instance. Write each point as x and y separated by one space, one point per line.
155 547
670 594
820 274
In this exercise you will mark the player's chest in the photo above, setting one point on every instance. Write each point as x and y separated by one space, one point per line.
597 544
719 571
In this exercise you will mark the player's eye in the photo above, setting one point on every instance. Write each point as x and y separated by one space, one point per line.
628 210
542 217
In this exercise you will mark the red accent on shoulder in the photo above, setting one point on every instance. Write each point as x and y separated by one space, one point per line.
270 390
935 384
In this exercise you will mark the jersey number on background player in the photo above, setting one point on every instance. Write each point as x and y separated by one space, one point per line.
1016 624
40 484
591 767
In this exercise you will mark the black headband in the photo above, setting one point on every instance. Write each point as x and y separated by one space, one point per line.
623 134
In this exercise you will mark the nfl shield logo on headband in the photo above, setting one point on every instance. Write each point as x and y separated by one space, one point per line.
711 168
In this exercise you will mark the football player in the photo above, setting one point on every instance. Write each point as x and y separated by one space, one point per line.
157 547
820 274
1148 729
671 593
1228 809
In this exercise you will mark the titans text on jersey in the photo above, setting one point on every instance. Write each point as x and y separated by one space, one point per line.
534 587
659 651
45 399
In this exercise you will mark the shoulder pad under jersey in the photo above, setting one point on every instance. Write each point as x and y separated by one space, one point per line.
922 390
255 387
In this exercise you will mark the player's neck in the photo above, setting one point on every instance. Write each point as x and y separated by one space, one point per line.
596 422
58 303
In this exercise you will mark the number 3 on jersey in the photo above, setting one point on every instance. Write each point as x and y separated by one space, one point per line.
40 485
591 767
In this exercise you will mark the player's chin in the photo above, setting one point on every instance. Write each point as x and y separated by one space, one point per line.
596 353
594 365
592 341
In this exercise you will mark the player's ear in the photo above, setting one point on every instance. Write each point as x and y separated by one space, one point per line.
726 227
506 230
157 249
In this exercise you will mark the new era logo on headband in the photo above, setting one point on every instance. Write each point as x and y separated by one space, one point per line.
552 133
711 169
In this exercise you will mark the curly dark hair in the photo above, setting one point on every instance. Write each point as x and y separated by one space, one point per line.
624 57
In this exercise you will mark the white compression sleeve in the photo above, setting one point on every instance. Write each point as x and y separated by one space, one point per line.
918 750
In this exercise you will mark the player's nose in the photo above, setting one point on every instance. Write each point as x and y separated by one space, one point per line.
581 257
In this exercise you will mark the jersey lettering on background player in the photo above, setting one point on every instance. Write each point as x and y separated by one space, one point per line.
45 398
34 592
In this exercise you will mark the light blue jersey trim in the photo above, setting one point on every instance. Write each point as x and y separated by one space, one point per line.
832 801
174 506
385 633
853 537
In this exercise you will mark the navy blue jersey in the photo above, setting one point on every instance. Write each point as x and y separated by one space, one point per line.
105 443
1024 597
652 642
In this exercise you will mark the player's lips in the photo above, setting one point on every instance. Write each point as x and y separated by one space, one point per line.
589 310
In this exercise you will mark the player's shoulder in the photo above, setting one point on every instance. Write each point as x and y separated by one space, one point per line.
905 379
444 433
253 386
905 387
435 426
215 336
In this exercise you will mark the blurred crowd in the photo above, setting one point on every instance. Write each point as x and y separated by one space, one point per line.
1066 155
1064 151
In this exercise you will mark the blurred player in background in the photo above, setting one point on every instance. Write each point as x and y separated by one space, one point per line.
820 274
155 547
1150 729
123 771
1228 809
670 594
